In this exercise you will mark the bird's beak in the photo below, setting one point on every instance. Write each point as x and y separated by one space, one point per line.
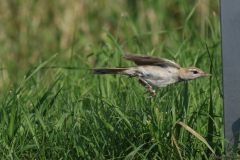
207 74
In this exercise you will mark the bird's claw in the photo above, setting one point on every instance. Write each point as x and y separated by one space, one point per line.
152 91
145 84
146 92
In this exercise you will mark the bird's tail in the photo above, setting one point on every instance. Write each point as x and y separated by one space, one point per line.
110 70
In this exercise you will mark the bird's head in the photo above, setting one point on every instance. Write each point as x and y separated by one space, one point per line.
192 73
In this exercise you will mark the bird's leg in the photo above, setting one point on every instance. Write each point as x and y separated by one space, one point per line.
145 84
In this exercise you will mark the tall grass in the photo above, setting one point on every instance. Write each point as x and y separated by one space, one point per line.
53 107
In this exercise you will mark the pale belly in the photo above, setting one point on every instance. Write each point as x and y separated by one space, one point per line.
158 76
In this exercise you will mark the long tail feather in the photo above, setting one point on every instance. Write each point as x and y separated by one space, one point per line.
109 70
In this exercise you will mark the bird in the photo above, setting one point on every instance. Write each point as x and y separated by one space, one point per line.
154 71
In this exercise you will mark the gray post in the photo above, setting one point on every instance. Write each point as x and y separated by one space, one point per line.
230 29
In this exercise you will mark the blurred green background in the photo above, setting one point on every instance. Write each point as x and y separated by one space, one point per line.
53 107
34 30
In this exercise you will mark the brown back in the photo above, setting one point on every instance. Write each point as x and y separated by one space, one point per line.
140 59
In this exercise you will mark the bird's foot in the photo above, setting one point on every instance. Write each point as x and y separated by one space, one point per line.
145 84
152 91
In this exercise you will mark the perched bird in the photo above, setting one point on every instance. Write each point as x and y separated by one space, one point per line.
154 71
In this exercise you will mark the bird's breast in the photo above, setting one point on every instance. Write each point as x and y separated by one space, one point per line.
159 76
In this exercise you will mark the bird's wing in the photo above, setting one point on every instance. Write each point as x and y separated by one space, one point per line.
140 60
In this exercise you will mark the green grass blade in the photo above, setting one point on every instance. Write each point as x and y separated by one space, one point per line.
46 94
127 33
196 135
61 122
133 153
153 145
30 126
30 74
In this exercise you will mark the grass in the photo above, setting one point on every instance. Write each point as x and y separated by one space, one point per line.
53 107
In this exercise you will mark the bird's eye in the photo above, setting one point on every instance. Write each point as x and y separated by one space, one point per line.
195 72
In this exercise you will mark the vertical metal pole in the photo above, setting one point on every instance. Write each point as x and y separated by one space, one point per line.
230 32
